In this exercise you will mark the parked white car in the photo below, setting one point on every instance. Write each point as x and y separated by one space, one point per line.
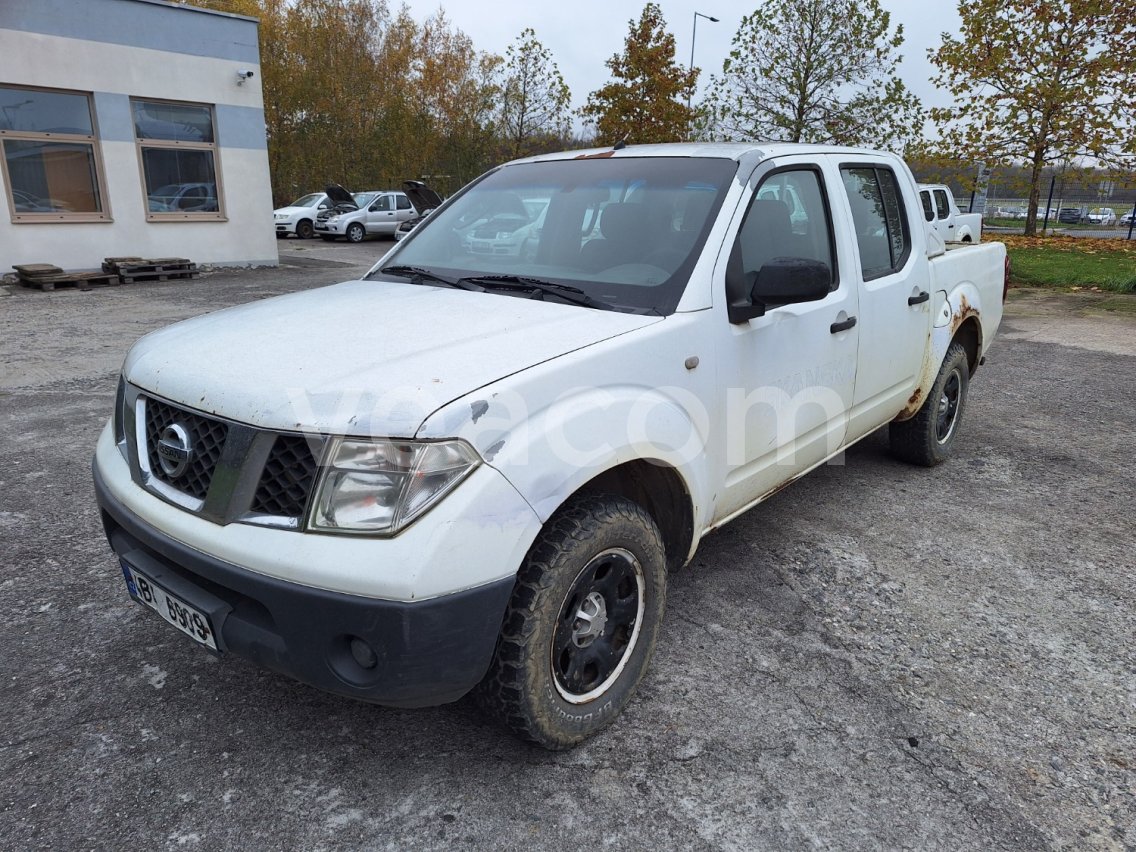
299 217
424 200
477 471
944 218
355 217
1101 216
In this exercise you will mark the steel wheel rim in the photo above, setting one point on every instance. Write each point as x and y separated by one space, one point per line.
946 415
592 644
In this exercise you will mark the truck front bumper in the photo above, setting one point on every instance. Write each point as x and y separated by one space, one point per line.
422 652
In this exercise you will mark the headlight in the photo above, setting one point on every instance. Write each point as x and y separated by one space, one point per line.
380 487
279 215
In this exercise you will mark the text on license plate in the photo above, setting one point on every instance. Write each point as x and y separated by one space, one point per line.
174 610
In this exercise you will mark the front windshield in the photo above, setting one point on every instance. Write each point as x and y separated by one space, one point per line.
362 199
308 200
624 230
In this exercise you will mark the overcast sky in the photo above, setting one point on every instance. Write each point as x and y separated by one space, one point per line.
582 34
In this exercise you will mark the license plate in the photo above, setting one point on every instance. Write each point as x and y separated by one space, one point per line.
177 612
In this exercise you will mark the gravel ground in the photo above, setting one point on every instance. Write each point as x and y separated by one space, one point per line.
879 656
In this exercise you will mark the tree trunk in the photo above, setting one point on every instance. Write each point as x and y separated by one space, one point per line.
1037 165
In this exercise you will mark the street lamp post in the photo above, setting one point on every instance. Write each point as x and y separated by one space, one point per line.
693 36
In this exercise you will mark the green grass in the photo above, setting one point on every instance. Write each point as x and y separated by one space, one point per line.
1054 262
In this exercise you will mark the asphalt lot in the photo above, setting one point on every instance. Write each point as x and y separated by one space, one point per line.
879 656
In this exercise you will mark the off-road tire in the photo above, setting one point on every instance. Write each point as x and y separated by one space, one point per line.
921 439
304 229
355 233
522 688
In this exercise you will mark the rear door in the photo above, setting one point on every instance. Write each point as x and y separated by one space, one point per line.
403 209
944 224
895 289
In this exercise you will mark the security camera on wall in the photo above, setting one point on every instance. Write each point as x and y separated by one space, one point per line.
244 74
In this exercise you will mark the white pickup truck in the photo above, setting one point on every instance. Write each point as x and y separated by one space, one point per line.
944 217
476 471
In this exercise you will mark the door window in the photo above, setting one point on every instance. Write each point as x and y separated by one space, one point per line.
382 203
403 202
877 213
928 210
788 217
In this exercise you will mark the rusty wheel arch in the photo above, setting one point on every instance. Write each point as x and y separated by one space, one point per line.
969 334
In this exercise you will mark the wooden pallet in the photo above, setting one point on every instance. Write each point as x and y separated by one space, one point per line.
131 269
82 280
159 276
110 264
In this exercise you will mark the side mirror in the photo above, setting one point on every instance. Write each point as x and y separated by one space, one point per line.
783 281
791 279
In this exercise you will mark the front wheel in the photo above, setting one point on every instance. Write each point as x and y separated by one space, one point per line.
927 438
304 229
355 233
581 624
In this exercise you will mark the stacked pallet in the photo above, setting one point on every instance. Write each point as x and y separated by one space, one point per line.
131 269
48 277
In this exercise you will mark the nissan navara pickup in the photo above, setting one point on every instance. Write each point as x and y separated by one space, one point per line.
474 471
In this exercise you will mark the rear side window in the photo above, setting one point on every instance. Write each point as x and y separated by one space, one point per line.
877 213
941 203
928 210
403 202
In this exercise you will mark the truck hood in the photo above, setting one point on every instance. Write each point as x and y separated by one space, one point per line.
368 358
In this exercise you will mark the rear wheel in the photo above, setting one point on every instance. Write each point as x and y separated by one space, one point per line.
927 438
304 229
355 233
581 624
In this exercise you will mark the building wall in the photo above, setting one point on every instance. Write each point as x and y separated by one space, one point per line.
118 49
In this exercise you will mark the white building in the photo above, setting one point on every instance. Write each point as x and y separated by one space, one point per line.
131 128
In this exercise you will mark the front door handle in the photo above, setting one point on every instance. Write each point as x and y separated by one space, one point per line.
838 327
920 299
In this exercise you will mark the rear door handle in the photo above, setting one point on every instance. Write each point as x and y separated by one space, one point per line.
920 299
838 327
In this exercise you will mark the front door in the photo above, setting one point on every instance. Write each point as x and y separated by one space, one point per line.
380 215
788 376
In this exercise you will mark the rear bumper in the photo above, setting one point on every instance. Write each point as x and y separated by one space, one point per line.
426 652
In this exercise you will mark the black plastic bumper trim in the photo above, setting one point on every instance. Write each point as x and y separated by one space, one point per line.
425 652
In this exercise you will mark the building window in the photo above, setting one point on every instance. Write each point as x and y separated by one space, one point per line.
177 150
51 163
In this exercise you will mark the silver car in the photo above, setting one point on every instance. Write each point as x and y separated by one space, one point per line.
354 217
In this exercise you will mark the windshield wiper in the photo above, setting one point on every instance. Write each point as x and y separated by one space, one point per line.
418 274
538 285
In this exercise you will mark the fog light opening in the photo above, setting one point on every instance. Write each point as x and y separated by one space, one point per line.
363 654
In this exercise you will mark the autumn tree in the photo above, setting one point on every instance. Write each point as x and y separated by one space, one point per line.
646 99
534 97
822 71
356 94
1040 82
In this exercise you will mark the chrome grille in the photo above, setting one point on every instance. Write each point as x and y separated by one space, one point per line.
287 478
207 437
